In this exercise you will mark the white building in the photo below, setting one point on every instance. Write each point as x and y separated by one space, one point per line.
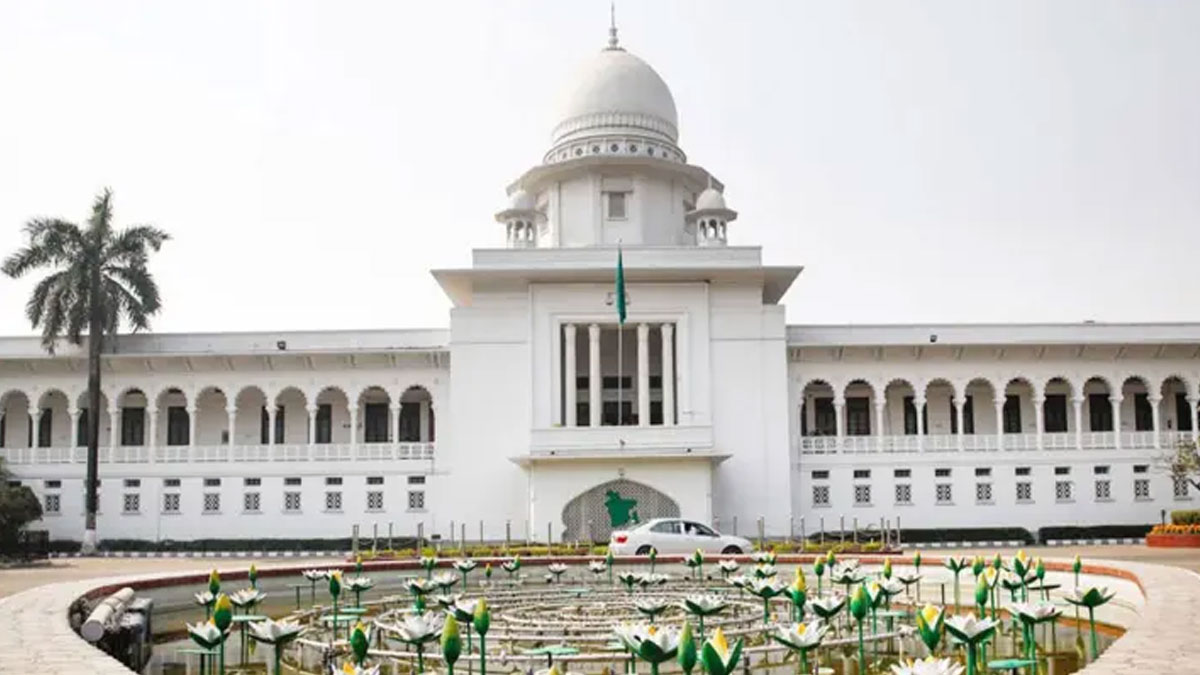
520 415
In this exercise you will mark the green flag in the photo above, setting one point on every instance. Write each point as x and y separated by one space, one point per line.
620 293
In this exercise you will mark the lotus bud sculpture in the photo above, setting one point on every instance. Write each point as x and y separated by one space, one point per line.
481 622
653 558
819 570
608 562
222 617
252 575
801 638
277 634
930 623
1076 567
511 566
628 579
687 654
887 568
717 657
798 594
860 604
1090 598
977 565
451 643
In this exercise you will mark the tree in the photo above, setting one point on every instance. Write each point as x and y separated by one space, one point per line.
98 278
1184 463
18 506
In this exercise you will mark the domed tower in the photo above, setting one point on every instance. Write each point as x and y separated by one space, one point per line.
709 218
614 172
520 220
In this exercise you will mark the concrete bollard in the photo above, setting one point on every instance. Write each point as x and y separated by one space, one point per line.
390 524
762 530
354 540
822 530
374 536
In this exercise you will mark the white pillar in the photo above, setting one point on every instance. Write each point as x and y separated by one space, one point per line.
668 373
1039 415
1078 402
312 424
595 405
880 410
393 434
643 375
423 422
999 403
959 402
839 409
191 413
569 385
114 419
35 416
1194 406
919 409
270 424
72 431
1154 401
152 427
231 424
353 426
1116 415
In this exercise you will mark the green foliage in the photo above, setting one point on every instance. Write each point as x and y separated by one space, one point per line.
1185 517
18 507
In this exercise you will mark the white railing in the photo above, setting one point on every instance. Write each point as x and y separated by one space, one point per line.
1097 440
1020 441
1137 439
180 454
818 445
1060 440
1169 439
860 444
900 443
940 443
980 442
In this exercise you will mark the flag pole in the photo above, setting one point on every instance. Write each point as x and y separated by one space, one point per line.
620 370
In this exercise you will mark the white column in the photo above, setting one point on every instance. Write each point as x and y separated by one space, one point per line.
1078 402
959 402
999 403
353 426
668 373
312 424
1116 414
423 421
232 415
270 424
35 416
72 435
114 419
839 410
1039 415
1194 406
393 434
152 427
919 408
643 375
1154 401
595 405
191 413
569 386
880 410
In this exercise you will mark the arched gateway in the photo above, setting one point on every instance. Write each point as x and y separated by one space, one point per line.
614 505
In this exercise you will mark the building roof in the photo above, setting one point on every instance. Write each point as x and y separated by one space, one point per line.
882 335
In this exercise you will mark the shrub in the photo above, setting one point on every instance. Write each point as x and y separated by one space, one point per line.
1093 532
1186 517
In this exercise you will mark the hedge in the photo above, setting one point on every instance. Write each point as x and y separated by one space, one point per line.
1045 534
1188 517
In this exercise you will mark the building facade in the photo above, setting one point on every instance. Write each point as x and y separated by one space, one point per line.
538 413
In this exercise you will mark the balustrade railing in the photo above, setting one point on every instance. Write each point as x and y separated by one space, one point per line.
176 454
986 442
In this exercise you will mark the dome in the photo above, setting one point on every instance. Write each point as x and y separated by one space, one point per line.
521 200
710 199
616 92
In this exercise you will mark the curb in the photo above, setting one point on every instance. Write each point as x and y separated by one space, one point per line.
207 554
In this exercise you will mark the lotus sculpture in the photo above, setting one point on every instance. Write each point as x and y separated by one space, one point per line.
1030 615
417 630
653 644
557 570
956 564
701 606
277 634
428 562
1090 598
464 567
727 566
970 632
766 589
313 576
208 637
651 607
930 624
801 638
928 666
205 599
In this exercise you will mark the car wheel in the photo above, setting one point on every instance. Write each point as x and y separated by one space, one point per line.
731 550
644 550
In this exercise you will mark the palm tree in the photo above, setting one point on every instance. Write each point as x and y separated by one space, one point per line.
97 278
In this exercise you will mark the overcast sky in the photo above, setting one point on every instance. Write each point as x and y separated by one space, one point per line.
925 161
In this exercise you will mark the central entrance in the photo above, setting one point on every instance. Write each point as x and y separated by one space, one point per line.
614 505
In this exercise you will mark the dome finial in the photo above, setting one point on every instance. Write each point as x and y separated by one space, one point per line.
612 25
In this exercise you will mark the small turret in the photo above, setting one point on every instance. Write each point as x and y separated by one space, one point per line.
520 220
710 217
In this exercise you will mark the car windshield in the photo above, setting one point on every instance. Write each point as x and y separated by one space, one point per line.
700 530
666 527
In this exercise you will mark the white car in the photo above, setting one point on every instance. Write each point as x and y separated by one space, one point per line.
674 536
